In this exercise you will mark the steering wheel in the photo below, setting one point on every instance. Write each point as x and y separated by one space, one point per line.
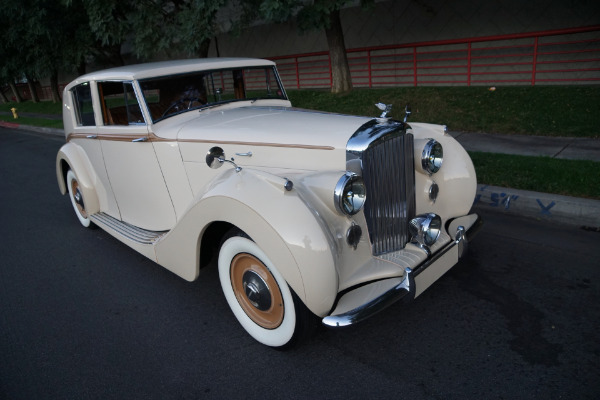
180 105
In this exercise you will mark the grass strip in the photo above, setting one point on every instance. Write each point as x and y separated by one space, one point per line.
42 107
578 178
49 123
539 110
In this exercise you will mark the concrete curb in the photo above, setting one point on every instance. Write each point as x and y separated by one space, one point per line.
39 129
551 207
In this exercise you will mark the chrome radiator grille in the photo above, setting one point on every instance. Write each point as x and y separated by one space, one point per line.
388 172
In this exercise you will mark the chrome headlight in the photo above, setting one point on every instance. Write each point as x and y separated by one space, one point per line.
425 230
432 156
350 194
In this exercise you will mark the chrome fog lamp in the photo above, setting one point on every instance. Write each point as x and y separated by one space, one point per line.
350 194
425 230
432 156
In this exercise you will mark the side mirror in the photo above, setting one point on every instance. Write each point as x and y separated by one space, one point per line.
215 157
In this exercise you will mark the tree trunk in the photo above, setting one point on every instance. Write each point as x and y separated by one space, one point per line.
16 93
54 87
204 47
81 67
32 89
3 96
340 70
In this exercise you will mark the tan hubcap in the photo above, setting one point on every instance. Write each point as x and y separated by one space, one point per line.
256 291
78 198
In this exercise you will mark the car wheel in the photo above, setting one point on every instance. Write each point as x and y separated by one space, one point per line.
263 303
77 200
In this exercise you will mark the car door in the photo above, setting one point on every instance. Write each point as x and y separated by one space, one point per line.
131 164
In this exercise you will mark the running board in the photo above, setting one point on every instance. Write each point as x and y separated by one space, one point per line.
129 231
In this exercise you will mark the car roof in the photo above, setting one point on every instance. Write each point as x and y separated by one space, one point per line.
162 68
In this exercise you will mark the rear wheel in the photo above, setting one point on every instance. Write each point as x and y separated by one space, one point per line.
77 200
259 296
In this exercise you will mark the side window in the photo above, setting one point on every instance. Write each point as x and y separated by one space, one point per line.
119 104
82 99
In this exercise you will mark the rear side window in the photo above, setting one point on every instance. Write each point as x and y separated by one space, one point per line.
119 104
84 111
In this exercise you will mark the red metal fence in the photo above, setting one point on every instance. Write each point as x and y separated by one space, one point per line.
565 56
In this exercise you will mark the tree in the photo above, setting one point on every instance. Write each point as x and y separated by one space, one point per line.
316 14
41 38
154 26
184 26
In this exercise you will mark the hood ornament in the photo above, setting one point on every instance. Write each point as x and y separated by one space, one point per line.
386 108
407 112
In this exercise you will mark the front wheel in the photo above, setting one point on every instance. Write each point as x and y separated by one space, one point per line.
77 200
259 296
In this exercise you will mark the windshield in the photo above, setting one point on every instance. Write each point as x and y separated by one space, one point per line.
169 95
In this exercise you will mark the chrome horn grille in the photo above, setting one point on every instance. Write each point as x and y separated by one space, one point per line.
386 155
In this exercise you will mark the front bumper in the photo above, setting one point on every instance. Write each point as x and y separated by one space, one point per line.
407 287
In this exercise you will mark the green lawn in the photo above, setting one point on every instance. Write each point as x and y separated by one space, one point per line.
577 178
49 123
43 107
540 110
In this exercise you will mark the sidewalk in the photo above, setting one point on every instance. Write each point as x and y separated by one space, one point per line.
555 147
563 209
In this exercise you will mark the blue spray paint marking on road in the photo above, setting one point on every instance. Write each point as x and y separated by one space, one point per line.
545 209
502 199
497 199
478 196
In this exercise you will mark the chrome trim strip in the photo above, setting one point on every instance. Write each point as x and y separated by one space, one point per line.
404 290
263 144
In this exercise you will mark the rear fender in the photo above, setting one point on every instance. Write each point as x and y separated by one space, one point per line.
72 156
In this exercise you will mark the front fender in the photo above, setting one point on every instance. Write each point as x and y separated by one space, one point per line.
72 156
279 221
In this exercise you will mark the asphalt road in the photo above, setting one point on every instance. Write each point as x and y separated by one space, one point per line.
84 317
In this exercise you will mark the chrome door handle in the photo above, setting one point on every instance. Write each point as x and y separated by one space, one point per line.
248 154
92 136
142 139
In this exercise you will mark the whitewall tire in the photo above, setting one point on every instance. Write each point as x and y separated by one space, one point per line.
77 200
258 295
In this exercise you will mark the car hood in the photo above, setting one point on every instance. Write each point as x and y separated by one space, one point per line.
281 137
276 125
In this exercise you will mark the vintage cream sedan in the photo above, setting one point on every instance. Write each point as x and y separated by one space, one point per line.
310 215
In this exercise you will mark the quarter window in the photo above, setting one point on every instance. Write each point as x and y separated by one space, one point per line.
84 110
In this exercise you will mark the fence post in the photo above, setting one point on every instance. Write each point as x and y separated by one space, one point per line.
330 72
469 64
534 64
414 65
297 73
369 66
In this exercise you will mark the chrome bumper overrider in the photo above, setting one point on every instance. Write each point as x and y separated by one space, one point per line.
406 288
